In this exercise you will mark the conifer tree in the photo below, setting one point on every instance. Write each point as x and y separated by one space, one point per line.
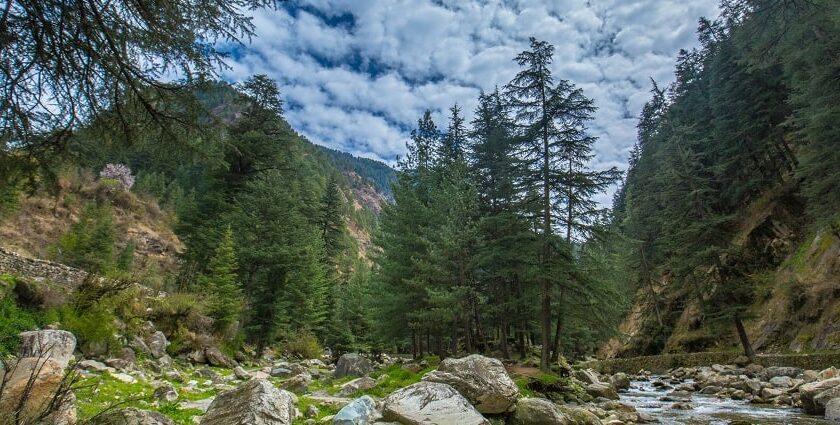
221 283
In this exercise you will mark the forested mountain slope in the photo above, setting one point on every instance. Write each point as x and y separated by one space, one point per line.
730 208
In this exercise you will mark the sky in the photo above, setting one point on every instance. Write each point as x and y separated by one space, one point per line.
357 74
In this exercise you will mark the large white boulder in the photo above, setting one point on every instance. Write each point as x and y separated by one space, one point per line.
32 384
256 402
482 380
430 403
53 344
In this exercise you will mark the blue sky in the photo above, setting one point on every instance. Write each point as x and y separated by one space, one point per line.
357 74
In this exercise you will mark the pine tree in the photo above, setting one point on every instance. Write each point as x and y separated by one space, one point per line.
221 283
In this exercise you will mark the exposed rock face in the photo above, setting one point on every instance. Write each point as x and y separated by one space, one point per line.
428 403
352 364
255 402
53 344
360 411
538 411
482 380
131 416
815 395
34 381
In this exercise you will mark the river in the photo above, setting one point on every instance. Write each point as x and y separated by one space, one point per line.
710 410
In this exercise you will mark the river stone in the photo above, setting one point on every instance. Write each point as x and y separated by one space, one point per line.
53 344
538 411
620 381
602 389
782 381
482 380
774 371
131 416
816 394
587 376
255 402
829 373
360 411
352 364
832 410
430 403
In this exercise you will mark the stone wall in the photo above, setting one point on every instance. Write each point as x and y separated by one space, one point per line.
660 364
40 270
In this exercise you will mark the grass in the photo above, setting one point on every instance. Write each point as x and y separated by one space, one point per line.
323 410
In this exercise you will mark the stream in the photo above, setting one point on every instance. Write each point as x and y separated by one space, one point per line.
710 410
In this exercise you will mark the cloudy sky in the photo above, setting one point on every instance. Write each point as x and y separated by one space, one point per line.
357 74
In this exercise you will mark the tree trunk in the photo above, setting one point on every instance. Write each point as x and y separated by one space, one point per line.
558 331
414 344
504 341
745 340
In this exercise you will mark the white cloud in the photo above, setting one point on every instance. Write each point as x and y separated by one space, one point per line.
360 86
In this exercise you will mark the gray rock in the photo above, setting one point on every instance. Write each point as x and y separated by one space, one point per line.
216 358
781 381
53 344
426 403
241 373
620 381
298 382
94 365
587 376
482 380
131 416
255 402
361 411
165 394
358 384
774 371
127 354
832 410
118 363
602 389
281 372
352 364
815 395
538 411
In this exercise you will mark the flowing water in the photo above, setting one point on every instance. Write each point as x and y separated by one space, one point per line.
710 410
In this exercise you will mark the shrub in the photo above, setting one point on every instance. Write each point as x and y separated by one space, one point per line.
302 345
89 244
13 320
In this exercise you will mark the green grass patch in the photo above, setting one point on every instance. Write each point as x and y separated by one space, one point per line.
522 383
395 378
323 409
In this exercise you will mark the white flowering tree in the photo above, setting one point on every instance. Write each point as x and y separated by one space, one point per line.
119 172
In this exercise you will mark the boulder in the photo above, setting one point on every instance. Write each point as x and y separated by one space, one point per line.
602 389
165 394
131 416
815 395
482 380
538 411
358 384
352 364
255 402
95 366
215 357
620 381
579 415
832 410
829 373
360 411
774 371
781 381
35 382
587 376
427 403
241 373
53 344
298 382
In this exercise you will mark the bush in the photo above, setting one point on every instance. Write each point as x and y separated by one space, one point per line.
302 345
13 321
89 244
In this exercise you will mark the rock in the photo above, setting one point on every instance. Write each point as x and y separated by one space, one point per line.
426 403
587 376
620 381
360 411
682 406
298 382
173 375
781 381
829 373
482 380
602 389
538 411
127 354
768 393
118 364
357 384
53 344
93 365
832 410
165 394
255 402
815 395
131 416
241 373
94 348
215 357
124 377
774 371
33 383
280 372
138 344
352 364
742 361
